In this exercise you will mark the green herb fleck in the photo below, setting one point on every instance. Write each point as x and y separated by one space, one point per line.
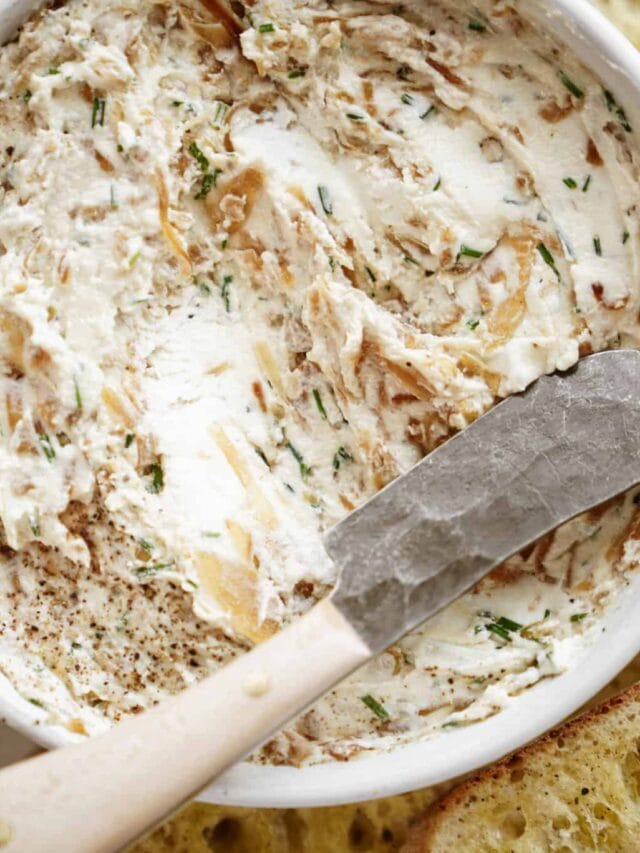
203 287
355 117
78 395
156 485
614 107
145 571
319 403
325 199
37 703
428 112
499 630
578 617
407 99
547 257
409 260
296 73
199 157
509 624
225 291
438 185
177 103
112 198
371 274
597 246
145 545
27 95
97 112
305 470
129 439
568 83
52 71
262 456
209 180
133 260
585 186
47 448
547 613
467 252
119 148
625 237
341 455
266 28
211 534
477 26
75 646
570 183
473 324
221 111
373 705
34 524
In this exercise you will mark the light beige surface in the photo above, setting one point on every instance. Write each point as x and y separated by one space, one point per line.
375 826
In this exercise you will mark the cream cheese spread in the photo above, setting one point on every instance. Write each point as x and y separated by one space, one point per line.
251 270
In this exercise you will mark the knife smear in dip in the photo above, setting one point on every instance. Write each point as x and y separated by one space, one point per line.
249 275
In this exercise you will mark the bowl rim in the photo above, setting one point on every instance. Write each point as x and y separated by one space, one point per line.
457 751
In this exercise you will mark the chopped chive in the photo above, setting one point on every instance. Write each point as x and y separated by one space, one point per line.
473 324
341 455
597 245
371 274
112 198
614 107
585 186
145 545
547 613
37 703
119 148
568 83
224 291
211 534
407 99
266 28
34 524
97 112
51 71
467 252
354 116
501 632
144 571
438 185
199 157
625 236
209 180
428 112
373 705
75 646
177 103
203 287
221 110
262 456
409 260
578 617
129 439
570 183
133 260
296 73
325 199
509 624
305 470
27 95
156 485
547 257
477 26
47 448
319 403
78 395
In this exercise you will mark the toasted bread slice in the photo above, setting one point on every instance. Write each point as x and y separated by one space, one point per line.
576 789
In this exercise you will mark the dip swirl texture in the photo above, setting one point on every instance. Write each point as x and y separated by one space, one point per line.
249 273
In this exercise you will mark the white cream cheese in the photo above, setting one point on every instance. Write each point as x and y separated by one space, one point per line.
246 280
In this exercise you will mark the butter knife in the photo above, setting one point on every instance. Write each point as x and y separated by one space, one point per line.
534 461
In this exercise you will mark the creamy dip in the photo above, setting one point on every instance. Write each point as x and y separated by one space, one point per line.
252 270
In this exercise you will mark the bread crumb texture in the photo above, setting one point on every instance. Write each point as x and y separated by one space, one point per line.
577 789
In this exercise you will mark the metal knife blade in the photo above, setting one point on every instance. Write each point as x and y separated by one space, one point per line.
568 443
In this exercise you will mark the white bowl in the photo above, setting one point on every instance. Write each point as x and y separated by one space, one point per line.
613 643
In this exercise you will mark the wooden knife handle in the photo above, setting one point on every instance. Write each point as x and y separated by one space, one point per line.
98 796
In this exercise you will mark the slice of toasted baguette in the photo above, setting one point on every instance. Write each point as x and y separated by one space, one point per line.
574 790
